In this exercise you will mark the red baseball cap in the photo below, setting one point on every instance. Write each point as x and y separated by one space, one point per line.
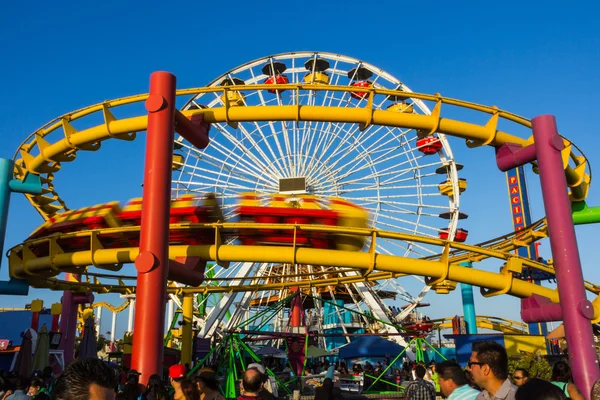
177 371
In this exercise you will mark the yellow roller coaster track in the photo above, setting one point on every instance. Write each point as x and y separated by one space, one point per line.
42 153
110 307
488 322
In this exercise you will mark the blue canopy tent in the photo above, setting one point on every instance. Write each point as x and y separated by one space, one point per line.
370 346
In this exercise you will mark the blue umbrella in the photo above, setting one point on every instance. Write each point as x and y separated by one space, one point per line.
87 347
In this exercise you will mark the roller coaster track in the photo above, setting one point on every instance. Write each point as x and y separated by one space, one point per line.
39 156
488 322
59 141
111 308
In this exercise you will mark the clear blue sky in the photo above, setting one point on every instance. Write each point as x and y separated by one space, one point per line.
60 56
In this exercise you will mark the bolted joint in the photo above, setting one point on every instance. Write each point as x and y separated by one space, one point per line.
586 309
155 102
145 262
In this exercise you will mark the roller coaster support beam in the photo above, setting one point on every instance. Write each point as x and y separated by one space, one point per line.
468 303
297 351
68 318
30 185
582 214
540 309
186 329
152 262
577 311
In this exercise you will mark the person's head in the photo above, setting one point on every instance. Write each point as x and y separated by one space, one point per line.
156 385
21 384
35 386
85 379
433 367
420 371
520 376
177 374
252 381
488 363
207 381
189 389
561 372
595 390
47 372
450 376
538 389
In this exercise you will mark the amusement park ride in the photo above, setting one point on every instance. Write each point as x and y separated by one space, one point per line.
310 177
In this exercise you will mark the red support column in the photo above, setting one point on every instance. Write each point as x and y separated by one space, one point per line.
297 344
296 310
152 262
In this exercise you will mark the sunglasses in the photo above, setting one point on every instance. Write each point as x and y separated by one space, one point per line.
517 378
471 363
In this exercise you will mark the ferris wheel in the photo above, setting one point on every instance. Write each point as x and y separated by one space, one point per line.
392 173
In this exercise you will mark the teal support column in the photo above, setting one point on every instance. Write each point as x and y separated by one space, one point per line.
468 304
32 185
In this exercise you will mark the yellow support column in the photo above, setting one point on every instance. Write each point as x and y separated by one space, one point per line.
186 329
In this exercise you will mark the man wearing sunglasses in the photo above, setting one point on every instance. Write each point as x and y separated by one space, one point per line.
489 368
520 377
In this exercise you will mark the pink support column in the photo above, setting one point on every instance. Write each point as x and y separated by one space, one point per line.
577 311
153 261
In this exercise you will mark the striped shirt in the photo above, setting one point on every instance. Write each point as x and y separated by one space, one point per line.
464 392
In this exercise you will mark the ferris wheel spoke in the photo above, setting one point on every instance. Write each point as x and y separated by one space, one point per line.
197 172
384 200
385 157
258 158
253 162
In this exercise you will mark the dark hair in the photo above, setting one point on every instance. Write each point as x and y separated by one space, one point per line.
37 382
21 384
561 372
74 383
420 371
190 390
131 390
47 372
451 370
157 387
252 380
595 390
523 371
538 389
494 355
209 378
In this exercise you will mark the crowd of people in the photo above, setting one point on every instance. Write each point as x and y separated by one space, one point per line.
486 378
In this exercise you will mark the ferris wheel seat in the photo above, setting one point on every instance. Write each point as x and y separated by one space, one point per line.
276 80
447 188
360 95
460 235
401 107
234 98
429 145
317 77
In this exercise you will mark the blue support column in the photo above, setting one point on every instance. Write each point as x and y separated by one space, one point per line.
32 185
468 304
